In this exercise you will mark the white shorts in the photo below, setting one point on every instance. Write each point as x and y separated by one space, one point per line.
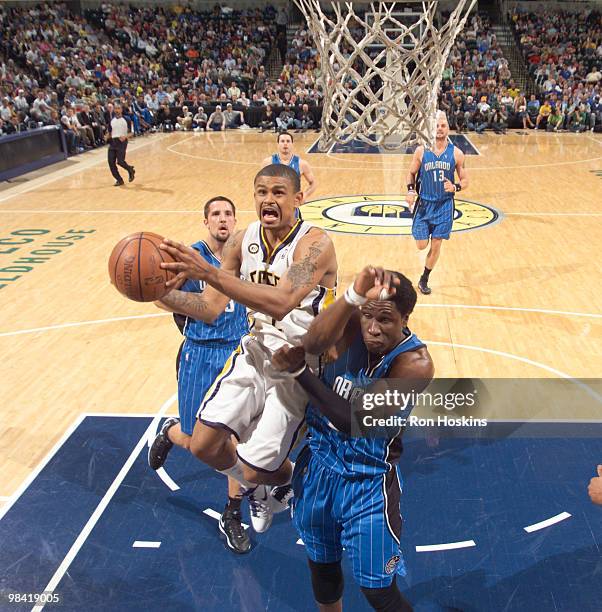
263 408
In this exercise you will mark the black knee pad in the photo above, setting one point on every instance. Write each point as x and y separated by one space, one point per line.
326 581
388 599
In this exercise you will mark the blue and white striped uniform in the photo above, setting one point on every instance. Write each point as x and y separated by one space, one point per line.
434 214
347 489
294 164
206 348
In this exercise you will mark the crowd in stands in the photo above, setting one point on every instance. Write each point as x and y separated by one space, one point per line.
563 52
179 68
62 68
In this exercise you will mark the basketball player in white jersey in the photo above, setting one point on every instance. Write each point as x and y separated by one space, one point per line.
286 155
284 271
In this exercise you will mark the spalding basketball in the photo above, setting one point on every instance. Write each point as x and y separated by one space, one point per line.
135 267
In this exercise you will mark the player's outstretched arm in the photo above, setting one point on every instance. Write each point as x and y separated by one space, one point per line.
411 372
206 306
314 261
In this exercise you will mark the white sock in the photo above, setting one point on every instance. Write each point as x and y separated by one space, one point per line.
236 472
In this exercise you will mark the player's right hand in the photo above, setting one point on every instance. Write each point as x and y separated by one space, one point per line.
288 358
411 200
188 264
371 282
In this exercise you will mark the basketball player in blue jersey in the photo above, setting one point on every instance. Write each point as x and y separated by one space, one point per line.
201 358
346 486
434 170
284 270
286 156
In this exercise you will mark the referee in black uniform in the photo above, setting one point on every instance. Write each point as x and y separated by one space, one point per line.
117 147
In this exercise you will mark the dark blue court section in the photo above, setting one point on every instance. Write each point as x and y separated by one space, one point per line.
484 484
363 148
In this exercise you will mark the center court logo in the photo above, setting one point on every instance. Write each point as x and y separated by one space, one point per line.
387 215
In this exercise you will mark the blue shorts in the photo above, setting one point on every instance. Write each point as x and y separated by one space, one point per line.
361 515
433 219
199 366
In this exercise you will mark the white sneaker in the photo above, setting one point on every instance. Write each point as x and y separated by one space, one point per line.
260 506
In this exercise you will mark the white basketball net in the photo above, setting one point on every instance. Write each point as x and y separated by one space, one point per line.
383 88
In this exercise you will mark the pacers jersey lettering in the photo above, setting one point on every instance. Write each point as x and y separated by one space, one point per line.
434 170
264 265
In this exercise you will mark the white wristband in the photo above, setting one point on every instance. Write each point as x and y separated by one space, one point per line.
353 298
299 371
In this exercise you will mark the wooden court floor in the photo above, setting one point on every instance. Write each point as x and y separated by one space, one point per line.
518 298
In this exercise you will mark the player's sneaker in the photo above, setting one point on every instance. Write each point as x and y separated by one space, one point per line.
230 525
424 288
159 449
131 174
281 498
260 506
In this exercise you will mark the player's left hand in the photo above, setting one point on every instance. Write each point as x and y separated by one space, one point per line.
288 358
449 186
188 264
595 487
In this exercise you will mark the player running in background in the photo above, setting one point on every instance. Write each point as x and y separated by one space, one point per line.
431 179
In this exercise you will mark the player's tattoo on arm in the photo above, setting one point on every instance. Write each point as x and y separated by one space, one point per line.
232 244
190 304
301 273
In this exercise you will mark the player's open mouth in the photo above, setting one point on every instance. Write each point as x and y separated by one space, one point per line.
270 213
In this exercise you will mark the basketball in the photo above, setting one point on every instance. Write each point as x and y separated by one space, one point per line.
135 267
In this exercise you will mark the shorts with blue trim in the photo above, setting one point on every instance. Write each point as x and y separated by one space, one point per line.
433 219
263 408
361 515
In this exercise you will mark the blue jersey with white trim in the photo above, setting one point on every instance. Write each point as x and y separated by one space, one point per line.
434 169
294 164
229 326
349 456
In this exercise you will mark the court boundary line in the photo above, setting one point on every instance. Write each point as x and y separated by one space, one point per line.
448 546
184 212
103 504
12 499
548 522
81 166
355 169
526 360
545 311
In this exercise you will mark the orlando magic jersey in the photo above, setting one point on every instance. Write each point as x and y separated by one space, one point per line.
433 172
229 326
349 456
294 163
264 266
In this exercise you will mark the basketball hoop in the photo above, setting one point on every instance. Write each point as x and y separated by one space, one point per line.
381 88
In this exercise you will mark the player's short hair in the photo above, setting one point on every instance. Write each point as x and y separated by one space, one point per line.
405 296
282 171
284 134
218 199
440 115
